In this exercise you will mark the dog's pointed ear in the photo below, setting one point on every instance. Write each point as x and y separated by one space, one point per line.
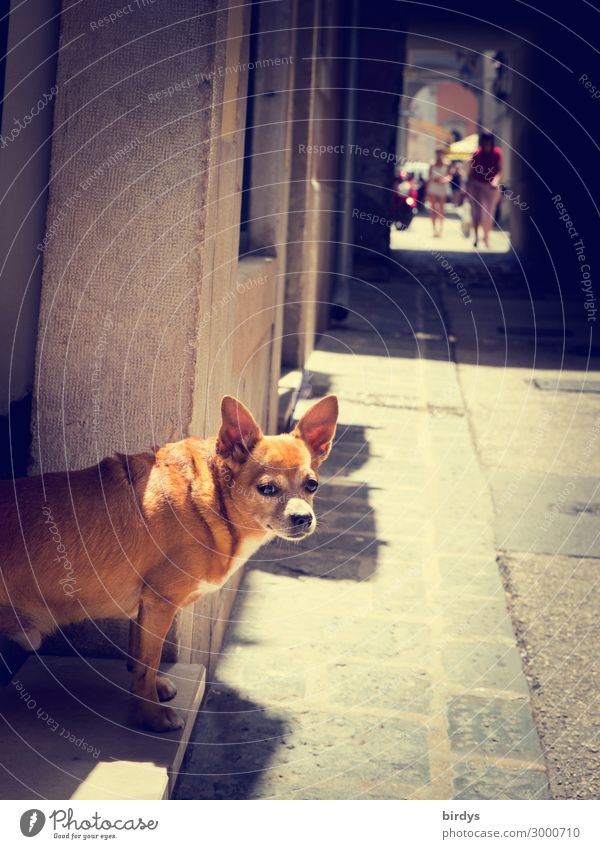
317 428
239 431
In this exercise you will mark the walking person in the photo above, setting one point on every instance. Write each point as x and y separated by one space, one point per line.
456 181
483 179
437 190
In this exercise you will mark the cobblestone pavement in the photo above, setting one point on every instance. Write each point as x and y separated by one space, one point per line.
378 660
528 370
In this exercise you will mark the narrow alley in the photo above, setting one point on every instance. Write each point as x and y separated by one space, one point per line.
380 659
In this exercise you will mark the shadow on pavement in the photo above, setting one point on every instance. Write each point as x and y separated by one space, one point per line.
231 745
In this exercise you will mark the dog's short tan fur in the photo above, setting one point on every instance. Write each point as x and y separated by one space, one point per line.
141 536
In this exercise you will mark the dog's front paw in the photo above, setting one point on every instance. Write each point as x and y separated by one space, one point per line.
158 718
165 688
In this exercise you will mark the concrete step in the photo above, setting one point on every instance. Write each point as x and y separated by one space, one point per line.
65 732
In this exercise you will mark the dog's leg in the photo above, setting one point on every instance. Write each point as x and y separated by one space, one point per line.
154 621
165 688
133 642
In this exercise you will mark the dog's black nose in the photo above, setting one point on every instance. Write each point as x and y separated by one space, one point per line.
302 521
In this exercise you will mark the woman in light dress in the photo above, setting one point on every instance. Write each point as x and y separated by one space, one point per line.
483 181
437 191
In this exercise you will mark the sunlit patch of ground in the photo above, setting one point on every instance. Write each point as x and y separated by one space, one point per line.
419 237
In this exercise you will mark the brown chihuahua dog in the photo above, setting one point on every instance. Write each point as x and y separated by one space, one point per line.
141 536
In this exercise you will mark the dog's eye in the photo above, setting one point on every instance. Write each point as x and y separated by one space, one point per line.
267 489
311 485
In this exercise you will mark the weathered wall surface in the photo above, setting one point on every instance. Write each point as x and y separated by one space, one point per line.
128 249
271 158
25 132
314 181
379 88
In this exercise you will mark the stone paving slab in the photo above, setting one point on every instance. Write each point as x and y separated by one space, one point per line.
500 728
480 781
554 384
548 514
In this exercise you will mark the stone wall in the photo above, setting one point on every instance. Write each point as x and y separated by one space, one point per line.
315 188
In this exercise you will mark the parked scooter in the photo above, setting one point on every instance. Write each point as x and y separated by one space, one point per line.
404 203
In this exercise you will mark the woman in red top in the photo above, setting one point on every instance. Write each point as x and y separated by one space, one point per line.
482 185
